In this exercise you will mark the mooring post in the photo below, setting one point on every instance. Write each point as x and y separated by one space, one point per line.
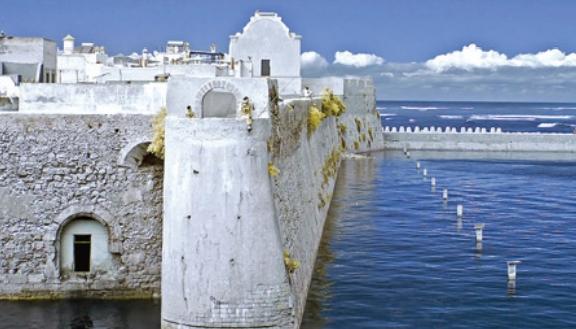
417 164
433 181
460 210
479 229
512 269
445 194
425 172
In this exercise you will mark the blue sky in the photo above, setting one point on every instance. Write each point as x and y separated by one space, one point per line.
402 34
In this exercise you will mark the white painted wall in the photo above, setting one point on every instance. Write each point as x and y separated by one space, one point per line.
222 263
267 37
100 258
186 90
142 98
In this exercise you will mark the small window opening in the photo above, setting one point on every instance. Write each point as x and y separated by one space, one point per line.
82 244
265 68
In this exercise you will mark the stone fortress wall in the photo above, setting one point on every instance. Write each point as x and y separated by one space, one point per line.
56 169
84 166
225 243
476 139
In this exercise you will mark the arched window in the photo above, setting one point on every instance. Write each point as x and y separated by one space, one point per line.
219 103
84 247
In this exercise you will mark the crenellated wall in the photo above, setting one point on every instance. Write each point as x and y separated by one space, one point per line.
475 139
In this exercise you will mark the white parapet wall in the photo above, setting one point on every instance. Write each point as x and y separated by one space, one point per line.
108 98
475 139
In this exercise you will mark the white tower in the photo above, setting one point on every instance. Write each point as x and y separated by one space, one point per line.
68 44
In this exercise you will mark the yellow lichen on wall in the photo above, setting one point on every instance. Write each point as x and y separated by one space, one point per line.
273 170
342 129
356 145
358 124
291 264
322 201
330 167
315 118
342 144
332 105
156 147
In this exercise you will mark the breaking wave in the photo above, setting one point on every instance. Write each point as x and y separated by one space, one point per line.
451 117
502 117
547 125
423 108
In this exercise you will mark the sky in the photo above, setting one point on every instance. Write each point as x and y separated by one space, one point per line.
487 50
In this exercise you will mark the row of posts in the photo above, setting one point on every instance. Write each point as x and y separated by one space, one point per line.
478 228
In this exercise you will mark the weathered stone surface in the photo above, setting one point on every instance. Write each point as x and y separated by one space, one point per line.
53 167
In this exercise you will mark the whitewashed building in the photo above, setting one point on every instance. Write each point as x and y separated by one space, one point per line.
267 45
84 63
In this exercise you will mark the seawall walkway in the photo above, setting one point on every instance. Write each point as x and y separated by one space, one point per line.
475 139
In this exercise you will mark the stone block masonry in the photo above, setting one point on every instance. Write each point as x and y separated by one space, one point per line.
55 169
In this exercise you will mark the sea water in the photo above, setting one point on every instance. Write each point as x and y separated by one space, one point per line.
395 255
530 117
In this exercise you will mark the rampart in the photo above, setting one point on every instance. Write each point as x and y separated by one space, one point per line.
244 209
241 206
475 139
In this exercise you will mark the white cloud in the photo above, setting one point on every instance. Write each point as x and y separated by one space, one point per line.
313 60
473 57
469 58
357 60
548 58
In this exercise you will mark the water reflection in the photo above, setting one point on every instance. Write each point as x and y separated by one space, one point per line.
80 314
392 258
361 171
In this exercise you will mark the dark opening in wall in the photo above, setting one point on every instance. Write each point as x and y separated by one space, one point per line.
82 246
265 68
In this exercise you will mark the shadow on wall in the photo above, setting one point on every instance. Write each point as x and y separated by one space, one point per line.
218 103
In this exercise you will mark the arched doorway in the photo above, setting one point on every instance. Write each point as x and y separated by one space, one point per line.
136 155
84 247
219 103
